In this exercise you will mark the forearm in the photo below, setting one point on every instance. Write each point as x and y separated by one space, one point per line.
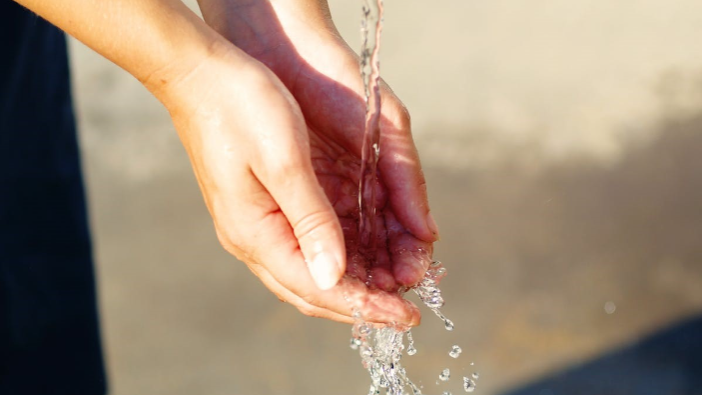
157 41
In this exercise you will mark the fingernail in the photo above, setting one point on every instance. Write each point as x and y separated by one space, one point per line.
324 270
432 225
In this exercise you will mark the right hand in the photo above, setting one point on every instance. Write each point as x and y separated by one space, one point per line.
250 150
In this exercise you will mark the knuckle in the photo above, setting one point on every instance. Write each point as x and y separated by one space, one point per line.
283 167
226 240
309 298
278 295
308 310
231 243
405 118
306 226
402 119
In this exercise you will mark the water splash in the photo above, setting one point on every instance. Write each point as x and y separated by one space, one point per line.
381 351
469 385
381 347
445 375
430 294
455 351
354 343
411 344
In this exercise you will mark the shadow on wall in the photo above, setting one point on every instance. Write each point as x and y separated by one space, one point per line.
667 362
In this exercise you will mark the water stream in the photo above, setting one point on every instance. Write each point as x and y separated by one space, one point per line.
381 348
371 26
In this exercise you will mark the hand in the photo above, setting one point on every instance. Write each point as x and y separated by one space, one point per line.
251 152
299 43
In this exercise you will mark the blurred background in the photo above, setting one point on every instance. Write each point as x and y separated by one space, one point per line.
561 142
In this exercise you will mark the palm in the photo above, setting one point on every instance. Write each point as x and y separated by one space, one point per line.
322 74
336 117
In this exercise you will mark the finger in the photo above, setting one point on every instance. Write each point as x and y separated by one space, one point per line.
289 297
288 268
377 273
374 305
287 173
269 240
411 256
380 268
401 172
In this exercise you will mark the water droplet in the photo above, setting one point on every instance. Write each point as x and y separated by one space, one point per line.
475 375
609 307
364 329
411 344
469 385
446 393
448 325
444 376
354 343
455 351
435 302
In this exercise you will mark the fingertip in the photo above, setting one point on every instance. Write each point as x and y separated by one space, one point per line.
416 316
410 265
382 307
432 226
410 272
383 279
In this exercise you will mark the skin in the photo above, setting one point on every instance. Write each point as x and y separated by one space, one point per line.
266 98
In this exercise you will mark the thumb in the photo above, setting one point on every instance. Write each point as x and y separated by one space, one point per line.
295 188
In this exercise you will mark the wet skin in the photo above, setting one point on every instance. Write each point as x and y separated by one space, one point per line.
321 72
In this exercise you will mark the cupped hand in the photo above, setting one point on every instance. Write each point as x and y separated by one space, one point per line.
297 40
260 168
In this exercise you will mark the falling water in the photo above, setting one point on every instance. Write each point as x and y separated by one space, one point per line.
371 26
381 348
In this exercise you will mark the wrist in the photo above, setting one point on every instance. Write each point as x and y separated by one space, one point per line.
263 24
223 76
182 80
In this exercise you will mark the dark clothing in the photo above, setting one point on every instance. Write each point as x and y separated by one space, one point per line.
49 338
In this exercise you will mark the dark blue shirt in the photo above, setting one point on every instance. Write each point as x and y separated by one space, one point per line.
49 338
